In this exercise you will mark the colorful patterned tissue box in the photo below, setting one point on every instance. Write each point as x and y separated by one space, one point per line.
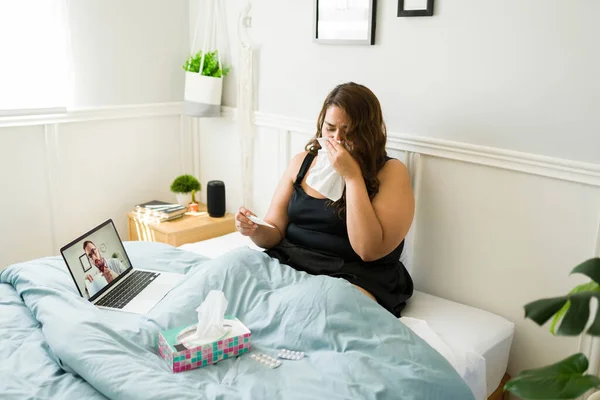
181 358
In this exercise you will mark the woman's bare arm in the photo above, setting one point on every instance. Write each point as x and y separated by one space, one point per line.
277 215
377 227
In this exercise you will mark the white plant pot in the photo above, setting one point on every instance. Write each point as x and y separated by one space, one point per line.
202 96
184 198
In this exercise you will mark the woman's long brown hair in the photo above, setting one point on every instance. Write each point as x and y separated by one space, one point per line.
366 134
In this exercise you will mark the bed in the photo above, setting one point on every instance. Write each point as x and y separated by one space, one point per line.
476 342
56 345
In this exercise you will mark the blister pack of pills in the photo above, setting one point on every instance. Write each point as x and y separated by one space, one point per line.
291 355
266 360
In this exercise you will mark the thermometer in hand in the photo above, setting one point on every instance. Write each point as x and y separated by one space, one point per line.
259 221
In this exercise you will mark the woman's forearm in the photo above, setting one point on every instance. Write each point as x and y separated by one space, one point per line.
266 237
364 229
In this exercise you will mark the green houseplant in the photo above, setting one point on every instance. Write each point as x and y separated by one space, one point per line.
565 379
185 187
211 65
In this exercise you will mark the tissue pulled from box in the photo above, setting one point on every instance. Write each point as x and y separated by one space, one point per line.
210 325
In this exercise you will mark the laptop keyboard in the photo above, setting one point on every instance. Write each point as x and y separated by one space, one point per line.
127 289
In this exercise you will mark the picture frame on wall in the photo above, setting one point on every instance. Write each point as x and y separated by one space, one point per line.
344 21
415 8
85 262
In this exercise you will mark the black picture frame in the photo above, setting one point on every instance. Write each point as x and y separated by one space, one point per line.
428 12
369 39
85 261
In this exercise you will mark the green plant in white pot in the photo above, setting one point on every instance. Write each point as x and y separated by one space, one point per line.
203 90
567 378
183 186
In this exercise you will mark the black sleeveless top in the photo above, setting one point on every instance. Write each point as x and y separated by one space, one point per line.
317 242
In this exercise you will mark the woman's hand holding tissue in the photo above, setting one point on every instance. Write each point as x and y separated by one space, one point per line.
342 160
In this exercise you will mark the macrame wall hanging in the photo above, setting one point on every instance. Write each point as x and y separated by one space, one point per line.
245 105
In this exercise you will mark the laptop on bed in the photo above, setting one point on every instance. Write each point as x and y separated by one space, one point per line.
104 275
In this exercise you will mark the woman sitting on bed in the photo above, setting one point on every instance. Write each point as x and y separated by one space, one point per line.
360 236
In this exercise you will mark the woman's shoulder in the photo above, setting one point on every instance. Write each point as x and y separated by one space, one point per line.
299 158
295 164
393 170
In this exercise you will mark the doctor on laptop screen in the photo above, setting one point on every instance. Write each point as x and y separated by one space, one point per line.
96 260
105 271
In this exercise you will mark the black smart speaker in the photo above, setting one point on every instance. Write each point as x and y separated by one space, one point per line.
215 198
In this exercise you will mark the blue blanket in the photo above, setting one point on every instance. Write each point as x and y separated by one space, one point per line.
56 344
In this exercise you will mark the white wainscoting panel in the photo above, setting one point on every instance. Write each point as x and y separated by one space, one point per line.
62 175
220 158
119 164
267 168
25 218
496 239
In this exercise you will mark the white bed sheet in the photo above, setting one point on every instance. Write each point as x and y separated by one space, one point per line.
476 342
469 365
467 329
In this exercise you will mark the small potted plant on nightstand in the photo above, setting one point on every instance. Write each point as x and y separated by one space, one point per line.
183 186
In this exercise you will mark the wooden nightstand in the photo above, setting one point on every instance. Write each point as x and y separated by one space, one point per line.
187 229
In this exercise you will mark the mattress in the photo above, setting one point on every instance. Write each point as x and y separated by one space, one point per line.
465 328
473 338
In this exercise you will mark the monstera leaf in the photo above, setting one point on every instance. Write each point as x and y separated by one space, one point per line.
574 308
563 380
586 287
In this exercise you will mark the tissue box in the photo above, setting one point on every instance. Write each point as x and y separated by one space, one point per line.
180 358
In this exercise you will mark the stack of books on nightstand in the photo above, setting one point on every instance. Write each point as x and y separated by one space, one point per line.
159 211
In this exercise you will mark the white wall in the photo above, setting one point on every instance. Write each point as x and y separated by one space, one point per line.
128 52
61 176
512 74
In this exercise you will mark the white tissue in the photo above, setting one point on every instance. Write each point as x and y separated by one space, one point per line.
325 179
211 315
210 326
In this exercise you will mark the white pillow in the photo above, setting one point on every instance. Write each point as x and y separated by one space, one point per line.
213 248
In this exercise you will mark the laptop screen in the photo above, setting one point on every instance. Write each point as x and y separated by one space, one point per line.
96 260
